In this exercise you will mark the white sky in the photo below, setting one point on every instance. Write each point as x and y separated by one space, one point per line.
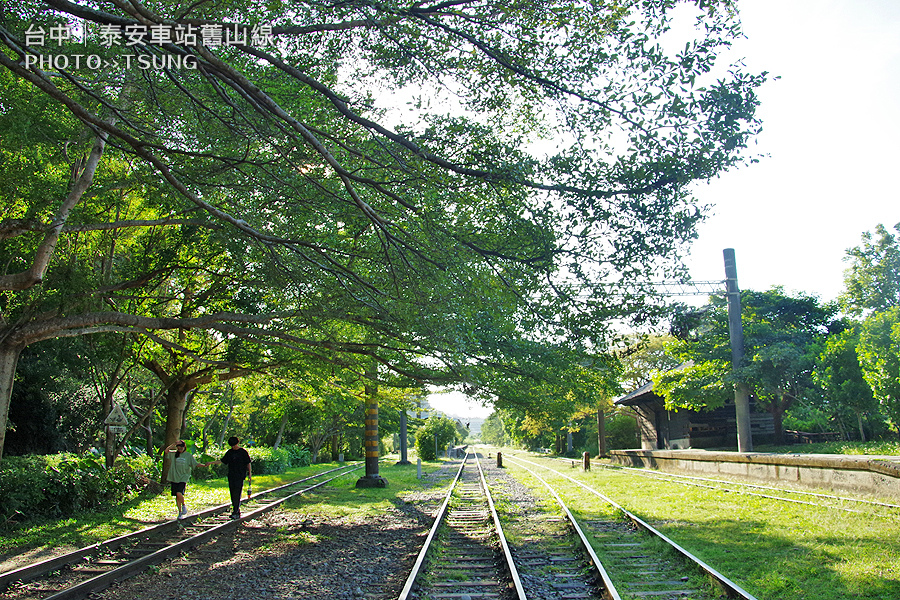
831 125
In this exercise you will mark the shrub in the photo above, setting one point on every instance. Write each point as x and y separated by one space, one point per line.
436 430
62 485
266 461
622 432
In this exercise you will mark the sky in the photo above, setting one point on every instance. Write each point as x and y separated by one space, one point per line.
830 130
831 125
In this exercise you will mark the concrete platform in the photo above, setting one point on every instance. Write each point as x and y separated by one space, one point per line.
877 476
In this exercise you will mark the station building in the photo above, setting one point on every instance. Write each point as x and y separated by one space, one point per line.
662 429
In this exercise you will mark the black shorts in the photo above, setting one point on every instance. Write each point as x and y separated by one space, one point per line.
178 487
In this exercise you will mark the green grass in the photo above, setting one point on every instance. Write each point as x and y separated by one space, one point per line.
776 550
858 448
341 497
89 528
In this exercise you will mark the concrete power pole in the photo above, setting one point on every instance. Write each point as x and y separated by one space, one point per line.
736 336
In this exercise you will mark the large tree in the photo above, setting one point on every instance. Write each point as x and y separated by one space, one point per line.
838 372
872 293
445 231
783 337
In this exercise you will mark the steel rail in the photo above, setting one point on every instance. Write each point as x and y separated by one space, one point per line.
507 553
103 580
731 588
439 518
609 588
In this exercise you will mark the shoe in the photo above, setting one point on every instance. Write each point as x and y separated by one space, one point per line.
183 512
235 515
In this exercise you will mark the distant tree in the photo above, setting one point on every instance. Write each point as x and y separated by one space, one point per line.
879 358
643 357
492 431
434 435
872 281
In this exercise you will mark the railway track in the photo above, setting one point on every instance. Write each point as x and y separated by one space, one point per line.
77 574
465 554
638 560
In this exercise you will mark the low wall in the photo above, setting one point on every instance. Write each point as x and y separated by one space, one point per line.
869 475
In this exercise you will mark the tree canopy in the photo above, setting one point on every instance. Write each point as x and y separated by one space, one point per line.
442 187
872 281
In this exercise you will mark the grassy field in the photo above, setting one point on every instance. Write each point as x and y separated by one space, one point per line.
774 549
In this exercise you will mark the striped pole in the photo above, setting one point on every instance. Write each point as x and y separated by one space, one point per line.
371 437
371 478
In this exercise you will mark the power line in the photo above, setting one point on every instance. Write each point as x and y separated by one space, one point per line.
690 288
661 288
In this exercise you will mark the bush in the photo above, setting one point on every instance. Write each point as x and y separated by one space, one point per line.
62 485
266 461
622 432
439 427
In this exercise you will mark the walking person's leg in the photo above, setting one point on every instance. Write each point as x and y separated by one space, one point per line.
178 492
235 486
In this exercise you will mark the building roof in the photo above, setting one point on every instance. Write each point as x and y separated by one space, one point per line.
639 396
645 394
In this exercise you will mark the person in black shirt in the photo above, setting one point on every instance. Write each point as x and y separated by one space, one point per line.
238 461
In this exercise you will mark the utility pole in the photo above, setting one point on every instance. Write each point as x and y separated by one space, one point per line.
736 336
403 438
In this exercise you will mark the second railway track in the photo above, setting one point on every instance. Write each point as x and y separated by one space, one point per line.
77 574
639 561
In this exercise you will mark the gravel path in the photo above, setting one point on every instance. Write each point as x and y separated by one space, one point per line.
292 554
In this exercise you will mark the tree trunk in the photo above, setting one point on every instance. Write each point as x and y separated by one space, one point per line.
778 421
840 423
862 432
281 428
601 433
335 440
9 358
